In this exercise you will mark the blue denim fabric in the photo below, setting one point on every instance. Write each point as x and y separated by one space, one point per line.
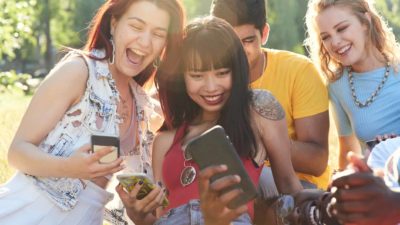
190 214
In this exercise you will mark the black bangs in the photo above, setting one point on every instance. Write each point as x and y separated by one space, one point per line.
206 51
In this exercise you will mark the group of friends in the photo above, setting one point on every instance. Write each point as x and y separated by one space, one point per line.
273 105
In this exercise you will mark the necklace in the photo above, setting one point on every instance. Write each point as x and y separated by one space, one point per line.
188 173
125 110
374 94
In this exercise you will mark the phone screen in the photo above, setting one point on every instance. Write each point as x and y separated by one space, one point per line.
99 142
110 156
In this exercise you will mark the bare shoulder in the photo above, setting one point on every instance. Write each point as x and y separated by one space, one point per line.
70 74
266 105
163 141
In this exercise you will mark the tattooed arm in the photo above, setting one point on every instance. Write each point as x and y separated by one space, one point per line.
312 134
271 130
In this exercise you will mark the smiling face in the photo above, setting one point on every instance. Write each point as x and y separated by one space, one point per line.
209 89
344 36
139 35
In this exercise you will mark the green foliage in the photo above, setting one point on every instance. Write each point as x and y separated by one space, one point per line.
12 82
16 19
286 23
197 8
390 10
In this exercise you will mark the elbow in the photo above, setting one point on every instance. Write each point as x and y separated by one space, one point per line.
11 156
321 165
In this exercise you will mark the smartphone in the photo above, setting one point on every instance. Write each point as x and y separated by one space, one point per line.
213 147
128 181
100 141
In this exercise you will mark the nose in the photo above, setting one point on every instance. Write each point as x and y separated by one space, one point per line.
210 84
144 40
335 41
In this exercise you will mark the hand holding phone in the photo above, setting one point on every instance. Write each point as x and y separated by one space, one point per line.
212 148
100 141
128 181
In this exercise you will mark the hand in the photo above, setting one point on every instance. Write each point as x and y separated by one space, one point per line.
362 198
136 209
85 165
214 204
384 137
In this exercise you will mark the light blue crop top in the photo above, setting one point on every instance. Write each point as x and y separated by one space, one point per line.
380 117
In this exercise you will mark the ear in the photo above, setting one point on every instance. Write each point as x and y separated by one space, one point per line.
265 34
113 24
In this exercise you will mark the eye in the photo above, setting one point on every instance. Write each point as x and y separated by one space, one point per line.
324 38
160 34
195 75
340 29
248 41
223 72
136 27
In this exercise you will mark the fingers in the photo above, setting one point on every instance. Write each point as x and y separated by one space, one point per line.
207 173
357 162
97 155
224 182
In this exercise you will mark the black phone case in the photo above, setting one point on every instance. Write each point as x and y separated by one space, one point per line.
213 147
105 141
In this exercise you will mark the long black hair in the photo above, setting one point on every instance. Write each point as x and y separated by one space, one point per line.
209 43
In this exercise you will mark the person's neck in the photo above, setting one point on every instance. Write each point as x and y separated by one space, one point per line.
258 69
372 61
121 81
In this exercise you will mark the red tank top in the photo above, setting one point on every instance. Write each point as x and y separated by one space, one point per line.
173 164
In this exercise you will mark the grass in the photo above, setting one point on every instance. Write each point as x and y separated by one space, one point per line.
12 108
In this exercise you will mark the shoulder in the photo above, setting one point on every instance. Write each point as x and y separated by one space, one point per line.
266 105
68 78
287 56
163 140
73 68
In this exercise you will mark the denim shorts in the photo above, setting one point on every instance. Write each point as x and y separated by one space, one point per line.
190 214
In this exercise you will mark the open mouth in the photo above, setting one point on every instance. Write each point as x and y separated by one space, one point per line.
135 56
213 99
343 50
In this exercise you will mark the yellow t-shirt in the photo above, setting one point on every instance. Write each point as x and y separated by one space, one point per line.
298 86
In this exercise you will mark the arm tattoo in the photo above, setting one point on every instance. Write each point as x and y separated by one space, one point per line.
266 105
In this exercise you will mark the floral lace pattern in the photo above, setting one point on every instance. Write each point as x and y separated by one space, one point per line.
99 103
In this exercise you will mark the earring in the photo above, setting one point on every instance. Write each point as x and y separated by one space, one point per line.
157 62
111 59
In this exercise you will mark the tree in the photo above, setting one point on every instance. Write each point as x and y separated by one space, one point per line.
16 19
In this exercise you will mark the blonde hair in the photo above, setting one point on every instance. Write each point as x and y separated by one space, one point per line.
380 35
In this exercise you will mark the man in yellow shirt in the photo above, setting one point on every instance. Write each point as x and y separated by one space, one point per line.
295 82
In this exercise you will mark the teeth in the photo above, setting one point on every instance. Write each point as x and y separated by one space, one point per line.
138 52
344 49
212 98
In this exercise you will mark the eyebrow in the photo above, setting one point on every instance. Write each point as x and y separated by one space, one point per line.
144 22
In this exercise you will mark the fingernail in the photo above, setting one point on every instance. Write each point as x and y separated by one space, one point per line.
160 183
140 182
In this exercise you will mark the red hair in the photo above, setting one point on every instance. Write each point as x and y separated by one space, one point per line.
100 27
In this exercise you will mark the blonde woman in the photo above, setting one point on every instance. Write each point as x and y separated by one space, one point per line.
358 53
